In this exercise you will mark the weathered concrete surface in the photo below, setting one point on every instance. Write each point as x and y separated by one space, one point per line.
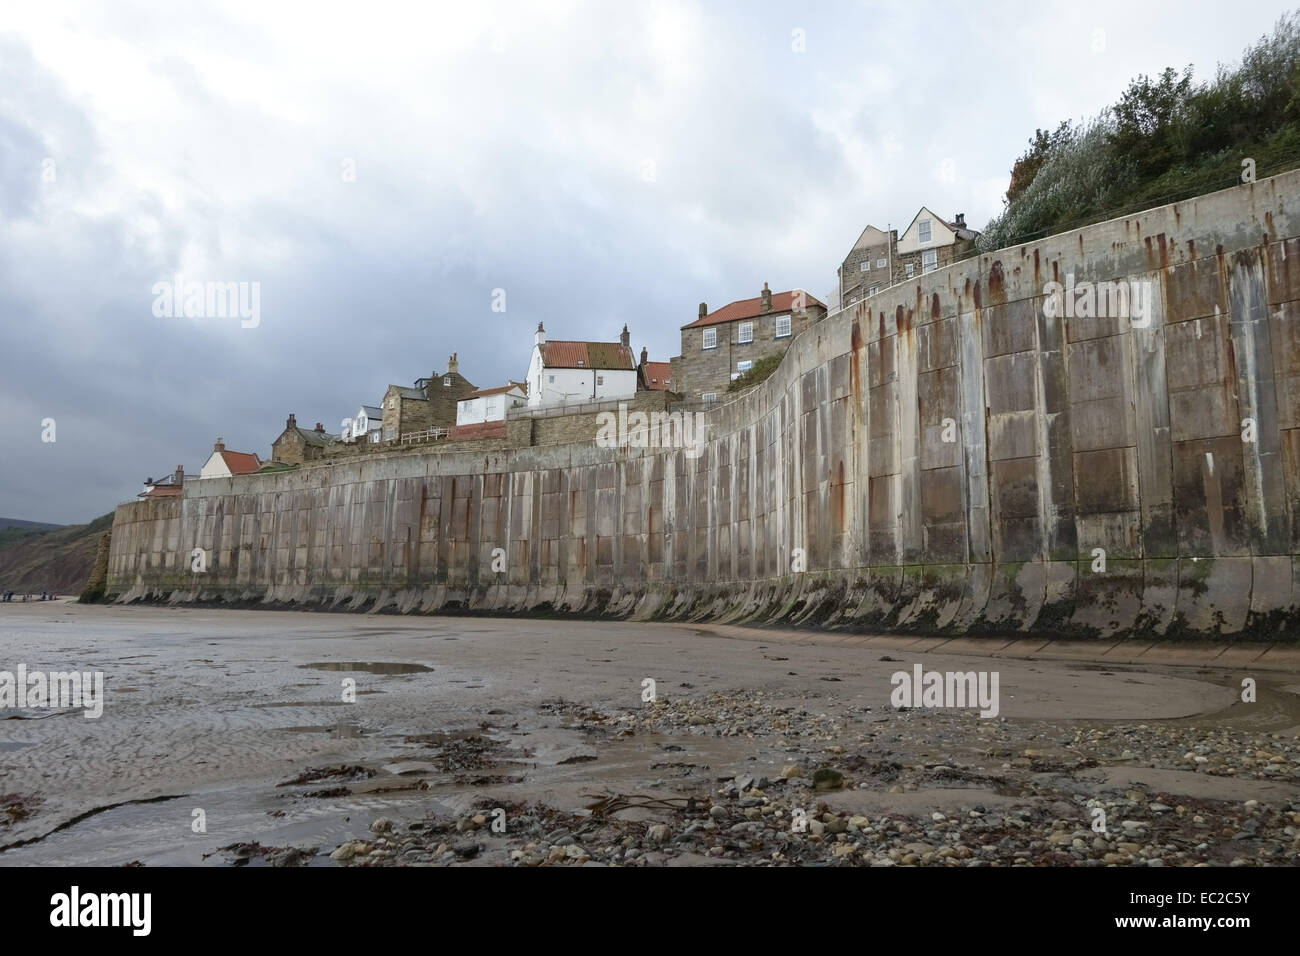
1067 435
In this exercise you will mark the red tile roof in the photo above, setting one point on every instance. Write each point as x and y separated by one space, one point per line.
241 463
601 355
752 308
657 375
483 392
161 491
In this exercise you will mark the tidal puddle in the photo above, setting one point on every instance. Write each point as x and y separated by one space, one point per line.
339 731
13 745
370 667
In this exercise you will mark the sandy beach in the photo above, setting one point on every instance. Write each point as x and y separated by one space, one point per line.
529 742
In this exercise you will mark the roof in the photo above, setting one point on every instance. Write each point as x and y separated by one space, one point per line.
960 232
657 375
871 232
373 411
240 462
484 392
407 392
600 355
752 308
315 437
161 491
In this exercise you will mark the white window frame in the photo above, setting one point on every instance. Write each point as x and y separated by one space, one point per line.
909 267
880 263
744 366
782 321
929 260
745 333
923 232
709 339
550 380
709 397
873 290
446 382
865 266
600 380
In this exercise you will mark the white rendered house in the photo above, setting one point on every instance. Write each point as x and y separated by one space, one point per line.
570 373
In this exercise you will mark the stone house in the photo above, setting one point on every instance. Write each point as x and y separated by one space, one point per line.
719 346
297 445
654 376
880 259
930 243
430 403
868 266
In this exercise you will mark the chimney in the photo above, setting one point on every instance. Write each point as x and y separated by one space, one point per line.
961 220
179 475
320 429
767 300
452 364
292 422
219 445
539 338
644 355
625 339
704 310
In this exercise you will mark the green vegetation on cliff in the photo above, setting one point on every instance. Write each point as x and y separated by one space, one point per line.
1166 139
58 561
757 372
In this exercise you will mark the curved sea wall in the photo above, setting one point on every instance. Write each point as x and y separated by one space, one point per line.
955 455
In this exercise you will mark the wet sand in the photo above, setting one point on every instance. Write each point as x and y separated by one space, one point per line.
240 715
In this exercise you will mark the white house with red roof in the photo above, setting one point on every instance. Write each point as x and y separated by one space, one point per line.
570 373
225 464
491 404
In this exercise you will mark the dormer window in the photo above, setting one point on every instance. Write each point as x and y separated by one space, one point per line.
581 363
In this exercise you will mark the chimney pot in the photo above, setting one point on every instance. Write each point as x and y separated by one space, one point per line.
219 445
704 310
765 299
644 355
539 337
292 422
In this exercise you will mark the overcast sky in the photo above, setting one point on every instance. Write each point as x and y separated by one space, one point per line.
602 163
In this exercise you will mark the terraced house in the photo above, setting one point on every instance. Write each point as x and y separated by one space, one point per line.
720 346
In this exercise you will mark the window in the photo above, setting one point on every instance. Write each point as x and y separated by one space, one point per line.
745 333
581 363
909 270
866 266
600 380
929 260
923 230
710 338
744 366
392 401
873 290
550 379
709 397
446 382
782 326
880 263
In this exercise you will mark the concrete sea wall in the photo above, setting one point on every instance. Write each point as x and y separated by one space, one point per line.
948 457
